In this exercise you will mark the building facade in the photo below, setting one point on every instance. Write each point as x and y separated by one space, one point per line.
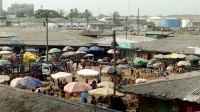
16 8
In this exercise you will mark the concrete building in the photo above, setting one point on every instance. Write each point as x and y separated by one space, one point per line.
1 8
16 8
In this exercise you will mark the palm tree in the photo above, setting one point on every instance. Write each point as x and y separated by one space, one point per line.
71 15
88 14
76 13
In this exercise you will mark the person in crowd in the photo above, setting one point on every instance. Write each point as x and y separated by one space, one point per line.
84 97
100 68
98 78
86 80
73 78
93 100
77 62
34 74
68 65
137 73
39 91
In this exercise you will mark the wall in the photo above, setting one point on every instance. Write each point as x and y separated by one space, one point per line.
147 104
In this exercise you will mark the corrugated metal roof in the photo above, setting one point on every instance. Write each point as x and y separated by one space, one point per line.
183 87
171 44
55 37
18 100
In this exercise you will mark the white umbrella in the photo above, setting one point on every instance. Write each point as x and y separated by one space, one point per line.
87 72
4 78
174 56
6 52
6 48
111 51
13 83
80 52
106 84
104 92
61 75
183 63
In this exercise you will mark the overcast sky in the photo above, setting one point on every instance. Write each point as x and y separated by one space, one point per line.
147 7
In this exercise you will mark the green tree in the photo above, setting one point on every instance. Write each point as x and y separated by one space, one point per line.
30 12
20 14
87 14
116 18
42 14
71 16
151 23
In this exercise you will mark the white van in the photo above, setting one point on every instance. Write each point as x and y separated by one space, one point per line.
46 69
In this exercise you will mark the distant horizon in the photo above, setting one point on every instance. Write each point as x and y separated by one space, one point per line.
124 7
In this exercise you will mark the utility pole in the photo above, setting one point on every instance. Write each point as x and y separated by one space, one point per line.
47 47
126 32
138 22
114 44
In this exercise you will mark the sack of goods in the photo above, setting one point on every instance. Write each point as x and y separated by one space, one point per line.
140 80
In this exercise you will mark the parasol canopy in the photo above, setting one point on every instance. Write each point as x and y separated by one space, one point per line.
28 81
104 92
192 57
138 60
67 48
13 83
29 56
4 62
160 56
87 72
88 55
6 52
61 75
31 50
175 56
183 63
85 49
80 52
77 87
111 51
4 78
6 48
69 53
54 50
107 69
94 48
106 84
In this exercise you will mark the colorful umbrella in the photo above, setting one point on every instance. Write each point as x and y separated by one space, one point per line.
94 48
28 82
67 48
104 92
4 62
69 53
77 87
138 60
61 75
88 55
87 72
54 50
83 49
111 51
29 56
